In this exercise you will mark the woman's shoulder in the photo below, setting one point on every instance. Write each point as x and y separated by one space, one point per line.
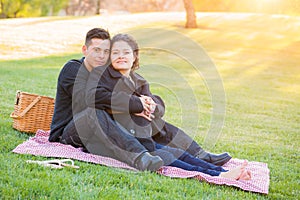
137 76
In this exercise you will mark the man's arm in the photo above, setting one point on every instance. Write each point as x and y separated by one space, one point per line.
78 92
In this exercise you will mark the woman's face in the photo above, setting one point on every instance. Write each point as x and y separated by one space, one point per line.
122 57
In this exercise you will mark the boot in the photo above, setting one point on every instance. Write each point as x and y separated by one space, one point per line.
148 162
216 159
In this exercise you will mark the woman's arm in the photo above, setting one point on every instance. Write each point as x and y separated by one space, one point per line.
100 94
144 89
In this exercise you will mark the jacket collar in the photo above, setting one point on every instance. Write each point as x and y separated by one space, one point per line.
138 80
114 73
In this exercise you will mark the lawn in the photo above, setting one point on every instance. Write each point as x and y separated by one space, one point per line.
250 62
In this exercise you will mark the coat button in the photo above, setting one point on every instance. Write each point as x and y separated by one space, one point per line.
132 131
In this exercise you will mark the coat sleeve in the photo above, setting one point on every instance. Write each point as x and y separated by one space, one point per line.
78 98
67 77
100 94
160 108
144 89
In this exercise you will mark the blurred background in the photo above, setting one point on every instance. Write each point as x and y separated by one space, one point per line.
37 8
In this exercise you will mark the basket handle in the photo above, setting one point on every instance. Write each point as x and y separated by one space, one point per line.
14 116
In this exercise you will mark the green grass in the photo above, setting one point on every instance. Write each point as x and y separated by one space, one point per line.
262 119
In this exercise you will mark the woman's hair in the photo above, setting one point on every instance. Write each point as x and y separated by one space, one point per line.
98 33
132 43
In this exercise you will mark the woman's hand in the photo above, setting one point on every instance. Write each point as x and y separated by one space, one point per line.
148 104
149 116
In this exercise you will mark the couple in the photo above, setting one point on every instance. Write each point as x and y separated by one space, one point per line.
100 132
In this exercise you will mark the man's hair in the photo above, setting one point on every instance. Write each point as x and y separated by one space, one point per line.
98 33
132 43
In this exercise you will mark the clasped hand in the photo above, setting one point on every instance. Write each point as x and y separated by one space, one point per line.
149 107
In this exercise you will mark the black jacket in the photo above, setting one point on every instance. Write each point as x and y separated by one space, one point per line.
109 90
71 73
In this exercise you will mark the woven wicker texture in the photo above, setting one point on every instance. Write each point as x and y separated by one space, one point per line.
32 112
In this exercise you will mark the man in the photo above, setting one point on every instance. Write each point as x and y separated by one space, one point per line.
94 130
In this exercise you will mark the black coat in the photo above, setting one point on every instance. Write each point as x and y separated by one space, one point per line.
109 90
65 106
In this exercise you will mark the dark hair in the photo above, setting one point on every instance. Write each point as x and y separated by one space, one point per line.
99 33
132 43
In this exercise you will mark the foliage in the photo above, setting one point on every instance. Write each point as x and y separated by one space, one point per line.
52 7
33 8
30 8
16 8
264 6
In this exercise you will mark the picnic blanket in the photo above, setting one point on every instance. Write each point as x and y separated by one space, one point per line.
40 146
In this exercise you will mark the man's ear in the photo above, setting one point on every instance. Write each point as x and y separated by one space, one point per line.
84 50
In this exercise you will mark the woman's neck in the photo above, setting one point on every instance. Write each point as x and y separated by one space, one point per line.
125 73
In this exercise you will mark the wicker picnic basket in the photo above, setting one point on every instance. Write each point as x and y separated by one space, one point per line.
32 112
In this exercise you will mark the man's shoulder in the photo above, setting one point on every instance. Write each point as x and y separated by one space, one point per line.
75 63
72 66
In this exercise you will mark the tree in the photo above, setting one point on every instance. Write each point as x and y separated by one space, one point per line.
98 7
83 7
13 8
30 8
191 20
52 7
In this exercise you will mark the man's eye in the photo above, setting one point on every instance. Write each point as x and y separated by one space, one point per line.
97 50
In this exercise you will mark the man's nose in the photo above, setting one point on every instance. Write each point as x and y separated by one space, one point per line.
101 54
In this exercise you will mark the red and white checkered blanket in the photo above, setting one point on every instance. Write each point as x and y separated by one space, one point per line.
40 146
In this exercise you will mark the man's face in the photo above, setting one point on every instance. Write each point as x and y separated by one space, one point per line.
97 53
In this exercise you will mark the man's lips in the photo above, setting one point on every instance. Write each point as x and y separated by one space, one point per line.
100 62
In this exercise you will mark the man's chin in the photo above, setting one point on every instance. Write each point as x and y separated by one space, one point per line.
100 64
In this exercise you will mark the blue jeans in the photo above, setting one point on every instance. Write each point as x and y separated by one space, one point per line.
184 160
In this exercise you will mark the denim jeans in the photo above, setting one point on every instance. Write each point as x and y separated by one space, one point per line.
184 160
169 135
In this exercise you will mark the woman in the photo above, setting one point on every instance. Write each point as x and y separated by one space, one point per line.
127 97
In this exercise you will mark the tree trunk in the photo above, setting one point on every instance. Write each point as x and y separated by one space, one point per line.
191 21
16 13
98 6
2 14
